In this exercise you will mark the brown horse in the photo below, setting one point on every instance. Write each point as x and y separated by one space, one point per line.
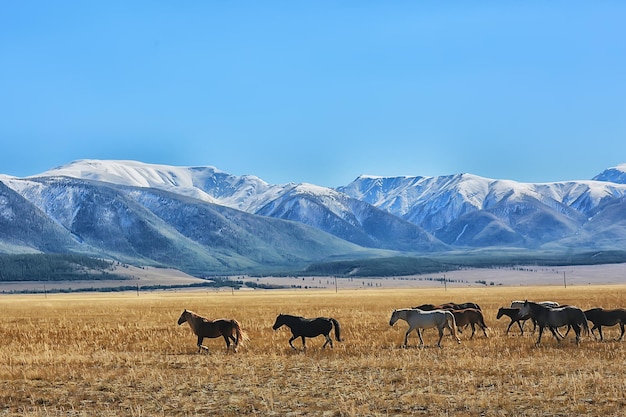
204 327
601 317
472 317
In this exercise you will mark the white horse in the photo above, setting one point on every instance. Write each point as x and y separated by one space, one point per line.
520 304
418 319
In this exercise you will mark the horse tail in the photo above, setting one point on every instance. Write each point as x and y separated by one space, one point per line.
337 329
451 319
482 319
241 336
584 323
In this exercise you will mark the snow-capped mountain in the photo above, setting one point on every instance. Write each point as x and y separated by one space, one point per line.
216 221
323 208
205 183
151 226
470 210
616 174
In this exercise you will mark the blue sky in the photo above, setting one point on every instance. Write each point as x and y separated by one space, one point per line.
317 92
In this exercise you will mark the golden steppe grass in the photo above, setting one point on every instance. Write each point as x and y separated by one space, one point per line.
104 355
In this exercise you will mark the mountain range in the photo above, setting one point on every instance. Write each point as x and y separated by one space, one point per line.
205 221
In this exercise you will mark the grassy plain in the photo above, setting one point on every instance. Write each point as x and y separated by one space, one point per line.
123 354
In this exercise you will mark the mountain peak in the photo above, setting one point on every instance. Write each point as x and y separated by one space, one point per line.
616 174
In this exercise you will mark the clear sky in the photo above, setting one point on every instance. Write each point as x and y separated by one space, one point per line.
318 91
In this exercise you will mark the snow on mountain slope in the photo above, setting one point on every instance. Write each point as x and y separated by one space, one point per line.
209 184
444 206
351 219
136 174
436 201
616 174
320 207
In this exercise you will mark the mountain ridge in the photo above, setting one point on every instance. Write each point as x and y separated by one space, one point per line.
111 207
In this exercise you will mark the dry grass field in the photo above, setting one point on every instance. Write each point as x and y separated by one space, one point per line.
105 355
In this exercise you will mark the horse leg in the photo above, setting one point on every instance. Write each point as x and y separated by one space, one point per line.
621 325
200 346
291 342
558 333
577 330
521 329
227 340
484 327
303 343
406 336
235 343
419 334
473 331
555 333
440 336
539 338
600 332
510 324
328 340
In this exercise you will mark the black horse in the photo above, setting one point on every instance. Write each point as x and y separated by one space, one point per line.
513 314
601 317
303 327
553 318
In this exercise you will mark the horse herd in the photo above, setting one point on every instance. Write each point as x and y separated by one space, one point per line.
451 316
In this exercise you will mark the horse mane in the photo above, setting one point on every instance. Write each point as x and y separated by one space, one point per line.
292 315
193 314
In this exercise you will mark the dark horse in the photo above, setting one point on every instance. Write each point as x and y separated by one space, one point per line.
204 327
513 314
303 327
447 306
472 317
554 318
601 317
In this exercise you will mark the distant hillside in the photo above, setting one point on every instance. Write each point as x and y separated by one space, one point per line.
55 267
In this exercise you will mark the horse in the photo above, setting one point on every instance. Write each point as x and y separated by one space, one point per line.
601 317
304 327
427 307
447 306
204 327
471 317
464 306
553 318
520 304
419 319
513 314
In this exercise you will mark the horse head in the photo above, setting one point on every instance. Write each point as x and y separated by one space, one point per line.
394 318
280 320
183 317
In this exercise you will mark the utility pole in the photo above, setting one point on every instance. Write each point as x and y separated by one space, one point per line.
564 280
445 285
335 284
